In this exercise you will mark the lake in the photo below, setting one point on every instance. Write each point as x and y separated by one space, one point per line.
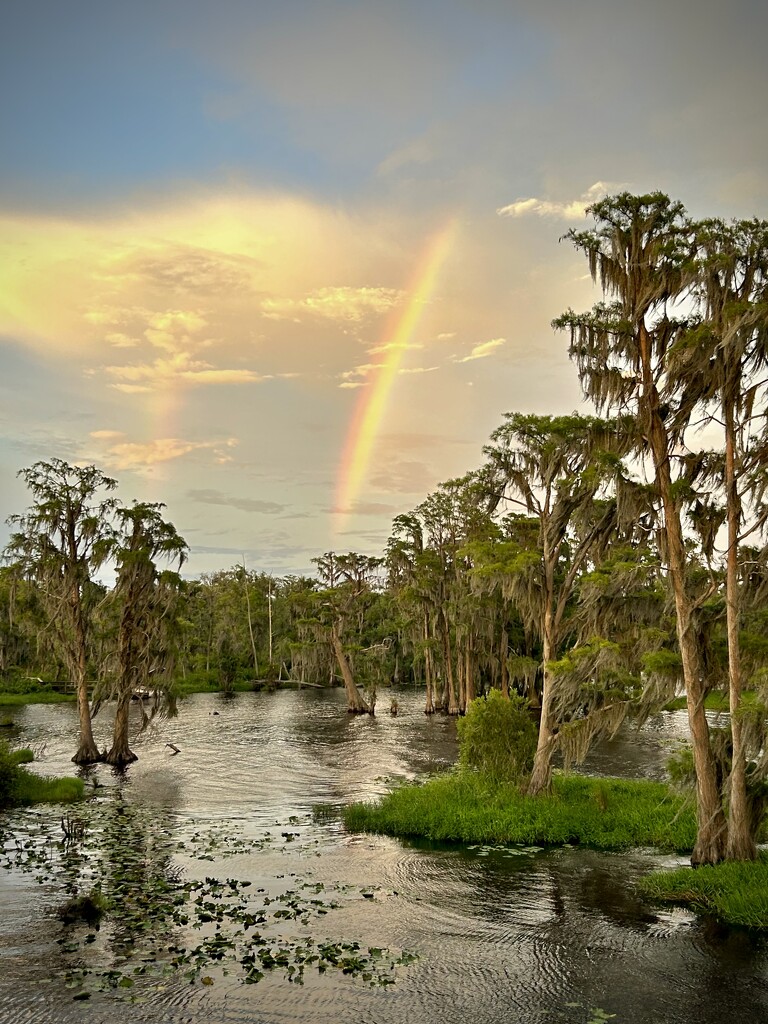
523 936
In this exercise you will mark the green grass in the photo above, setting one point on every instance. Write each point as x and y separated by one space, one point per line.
19 786
35 697
38 789
735 892
606 814
714 701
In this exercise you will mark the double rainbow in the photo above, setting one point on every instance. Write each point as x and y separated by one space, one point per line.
372 402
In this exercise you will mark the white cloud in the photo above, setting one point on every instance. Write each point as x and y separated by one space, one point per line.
570 209
417 369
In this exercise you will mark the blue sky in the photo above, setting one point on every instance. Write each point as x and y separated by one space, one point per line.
213 215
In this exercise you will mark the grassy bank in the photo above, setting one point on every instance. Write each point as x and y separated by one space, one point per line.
715 701
182 688
35 697
606 814
18 786
736 892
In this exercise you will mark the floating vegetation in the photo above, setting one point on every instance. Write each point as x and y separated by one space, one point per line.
132 920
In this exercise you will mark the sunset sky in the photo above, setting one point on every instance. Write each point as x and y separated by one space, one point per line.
284 266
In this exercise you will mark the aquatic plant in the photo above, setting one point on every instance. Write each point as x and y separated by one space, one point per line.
121 874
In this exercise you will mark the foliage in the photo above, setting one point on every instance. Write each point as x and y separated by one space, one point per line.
497 737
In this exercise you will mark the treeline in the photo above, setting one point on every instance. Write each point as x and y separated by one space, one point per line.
596 564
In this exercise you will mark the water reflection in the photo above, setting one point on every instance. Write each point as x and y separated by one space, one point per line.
529 937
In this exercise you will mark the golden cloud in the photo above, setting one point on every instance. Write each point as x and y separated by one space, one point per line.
344 304
482 351
137 456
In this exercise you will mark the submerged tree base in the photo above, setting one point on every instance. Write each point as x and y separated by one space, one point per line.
87 754
734 892
119 758
603 813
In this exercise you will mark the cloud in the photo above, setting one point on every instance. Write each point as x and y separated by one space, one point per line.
171 330
365 508
353 384
142 456
388 346
118 340
212 497
571 209
363 370
403 476
482 351
417 369
179 368
344 304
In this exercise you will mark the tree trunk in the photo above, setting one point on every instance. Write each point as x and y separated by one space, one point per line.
87 752
504 666
120 754
452 704
461 669
741 840
541 776
355 703
429 672
469 679
711 825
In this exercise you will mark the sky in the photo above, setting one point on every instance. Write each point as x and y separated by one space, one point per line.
284 267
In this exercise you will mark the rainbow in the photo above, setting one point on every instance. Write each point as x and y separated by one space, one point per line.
372 402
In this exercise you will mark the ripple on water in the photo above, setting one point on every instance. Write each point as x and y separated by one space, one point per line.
500 935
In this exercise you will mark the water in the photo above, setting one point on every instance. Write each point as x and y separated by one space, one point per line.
535 938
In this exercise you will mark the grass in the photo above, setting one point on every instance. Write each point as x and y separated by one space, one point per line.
19 786
735 892
38 789
35 697
714 701
605 814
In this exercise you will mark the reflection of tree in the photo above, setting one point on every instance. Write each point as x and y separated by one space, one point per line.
117 856
138 879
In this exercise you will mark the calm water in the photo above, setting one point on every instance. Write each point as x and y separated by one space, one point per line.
540 937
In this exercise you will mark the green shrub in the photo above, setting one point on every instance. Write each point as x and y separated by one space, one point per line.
498 737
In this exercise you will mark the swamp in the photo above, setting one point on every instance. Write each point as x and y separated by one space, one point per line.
222 886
